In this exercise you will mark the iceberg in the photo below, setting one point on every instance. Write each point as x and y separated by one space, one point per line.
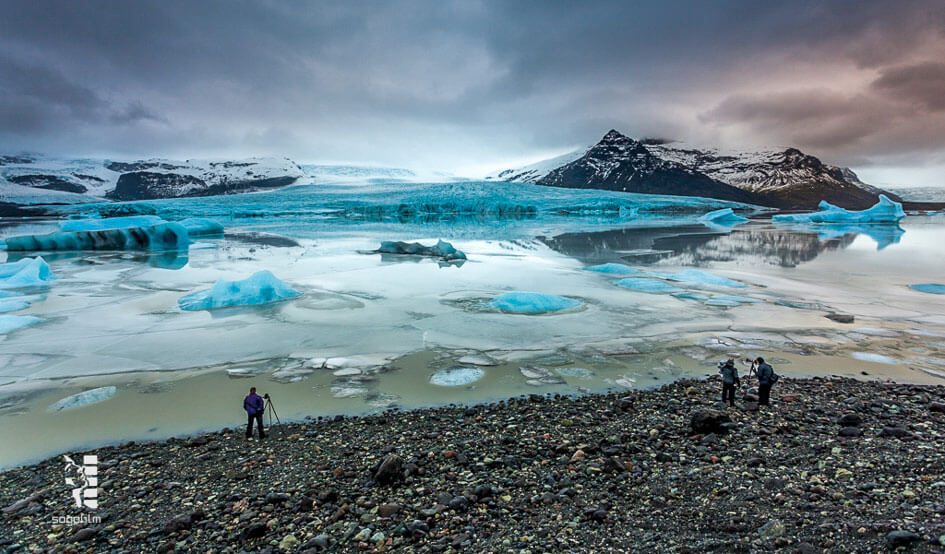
164 236
28 272
201 227
645 284
261 288
725 217
10 323
884 211
698 277
532 302
110 223
613 269
83 399
930 288
730 301
14 304
876 358
457 376
441 249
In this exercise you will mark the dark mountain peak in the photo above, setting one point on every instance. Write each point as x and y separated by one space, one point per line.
614 135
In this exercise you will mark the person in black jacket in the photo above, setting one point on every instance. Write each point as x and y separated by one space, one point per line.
254 406
729 380
766 378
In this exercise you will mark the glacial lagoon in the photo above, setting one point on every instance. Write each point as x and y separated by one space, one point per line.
374 331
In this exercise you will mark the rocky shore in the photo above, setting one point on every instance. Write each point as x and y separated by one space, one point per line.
835 465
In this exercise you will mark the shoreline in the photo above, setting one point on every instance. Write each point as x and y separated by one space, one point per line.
837 464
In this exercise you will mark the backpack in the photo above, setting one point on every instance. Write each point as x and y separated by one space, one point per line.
773 377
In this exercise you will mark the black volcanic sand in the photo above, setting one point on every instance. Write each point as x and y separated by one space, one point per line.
834 466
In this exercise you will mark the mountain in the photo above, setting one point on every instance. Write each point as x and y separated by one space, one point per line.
38 179
787 179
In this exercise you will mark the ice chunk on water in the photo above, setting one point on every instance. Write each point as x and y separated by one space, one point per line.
532 302
198 226
725 216
871 357
730 300
291 374
477 359
698 277
261 288
884 211
441 249
930 288
110 223
10 323
28 272
614 269
83 399
14 304
645 284
457 376
539 376
165 236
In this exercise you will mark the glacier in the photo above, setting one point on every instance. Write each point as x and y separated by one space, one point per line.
532 303
81 399
260 288
28 272
884 211
164 236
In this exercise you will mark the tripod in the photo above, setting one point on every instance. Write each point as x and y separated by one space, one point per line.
272 412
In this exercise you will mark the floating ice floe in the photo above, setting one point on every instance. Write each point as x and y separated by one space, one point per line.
10 323
28 272
291 374
346 372
645 284
477 359
457 376
14 304
725 216
164 236
86 398
730 300
574 372
698 277
930 288
884 211
111 223
241 372
539 376
261 288
532 302
347 390
200 227
872 357
441 249
613 269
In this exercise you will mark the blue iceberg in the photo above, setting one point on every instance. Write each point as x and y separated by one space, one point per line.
457 376
730 301
93 396
261 288
698 277
441 249
645 284
110 223
885 211
164 236
532 302
200 227
28 272
613 269
724 217
929 288
10 323
14 304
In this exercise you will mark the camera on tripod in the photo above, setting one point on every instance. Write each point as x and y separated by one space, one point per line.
266 396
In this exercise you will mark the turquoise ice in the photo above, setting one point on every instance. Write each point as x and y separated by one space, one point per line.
261 288
532 302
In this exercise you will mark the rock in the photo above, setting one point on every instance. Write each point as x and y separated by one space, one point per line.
897 432
840 318
254 531
850 432
276 498
459 503
807 548
774 528
578 456
388 510
390 470
843 473
289 542
17 506
709 421
416 528
850 420
84 534
182 521
363 535
898 539
937 407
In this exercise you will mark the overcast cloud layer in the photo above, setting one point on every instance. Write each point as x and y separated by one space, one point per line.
465 85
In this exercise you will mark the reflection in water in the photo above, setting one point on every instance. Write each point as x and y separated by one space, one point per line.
884 234
696 245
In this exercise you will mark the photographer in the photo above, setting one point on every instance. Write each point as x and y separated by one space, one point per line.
729 380
254 406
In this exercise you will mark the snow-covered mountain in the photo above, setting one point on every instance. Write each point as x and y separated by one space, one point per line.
787 179
29 179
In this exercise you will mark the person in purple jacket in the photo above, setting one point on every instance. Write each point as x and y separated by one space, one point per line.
254 406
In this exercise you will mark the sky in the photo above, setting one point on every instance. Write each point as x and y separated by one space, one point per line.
468 86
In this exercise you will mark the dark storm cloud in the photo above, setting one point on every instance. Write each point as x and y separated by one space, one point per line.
463 82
